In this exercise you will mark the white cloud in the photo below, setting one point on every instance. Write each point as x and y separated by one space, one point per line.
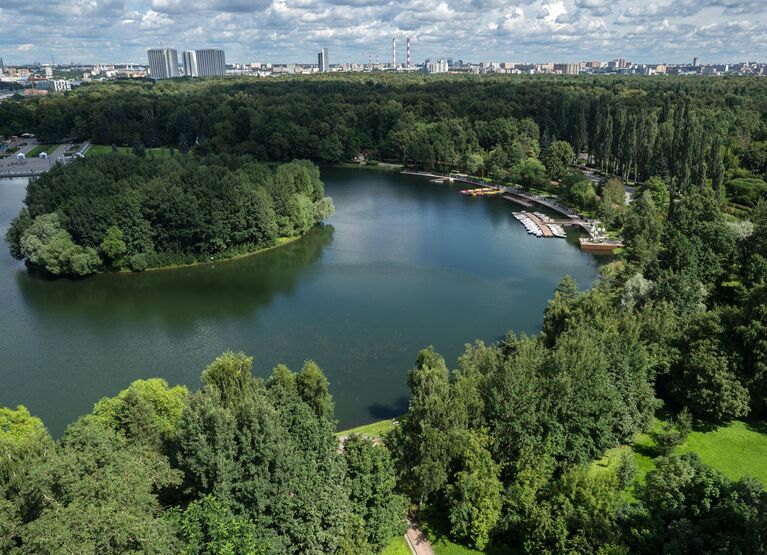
293 30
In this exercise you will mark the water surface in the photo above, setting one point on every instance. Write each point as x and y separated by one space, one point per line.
403 264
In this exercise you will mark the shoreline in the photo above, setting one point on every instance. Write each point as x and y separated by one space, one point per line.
281 242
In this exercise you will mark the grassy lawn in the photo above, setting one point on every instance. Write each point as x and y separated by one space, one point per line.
376 429
735 450
444 546
49 148
398 546
96 150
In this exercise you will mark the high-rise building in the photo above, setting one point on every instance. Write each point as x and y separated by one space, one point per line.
322 60
394 53
210 61
567 69
190 63
696 61
440 66
163 63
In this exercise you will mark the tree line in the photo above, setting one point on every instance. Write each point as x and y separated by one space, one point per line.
686 131
117 212
243 465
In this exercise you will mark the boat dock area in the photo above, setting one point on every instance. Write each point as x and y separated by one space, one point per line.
545 226
540 225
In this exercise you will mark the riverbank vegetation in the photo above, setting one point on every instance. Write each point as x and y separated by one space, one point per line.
132 212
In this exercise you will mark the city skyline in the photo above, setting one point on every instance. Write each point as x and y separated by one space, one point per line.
100 31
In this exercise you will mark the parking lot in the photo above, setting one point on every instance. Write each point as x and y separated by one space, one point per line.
12 166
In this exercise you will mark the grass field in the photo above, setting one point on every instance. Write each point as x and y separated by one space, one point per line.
398 546
96 150
376 429
444 546
735 450
48 149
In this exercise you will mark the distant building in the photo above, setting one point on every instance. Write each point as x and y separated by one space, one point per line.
323 62
696 61
163 63
59 85
190 63
210 61
440 66
567 69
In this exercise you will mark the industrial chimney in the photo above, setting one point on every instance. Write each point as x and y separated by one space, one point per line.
408 52
394 52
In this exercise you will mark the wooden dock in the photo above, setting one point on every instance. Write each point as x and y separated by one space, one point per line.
540 223
518 200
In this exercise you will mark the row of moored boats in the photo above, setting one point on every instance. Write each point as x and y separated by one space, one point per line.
556 229
533 228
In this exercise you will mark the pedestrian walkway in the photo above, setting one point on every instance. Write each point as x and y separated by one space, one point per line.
417 540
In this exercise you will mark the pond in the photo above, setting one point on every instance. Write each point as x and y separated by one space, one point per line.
403 264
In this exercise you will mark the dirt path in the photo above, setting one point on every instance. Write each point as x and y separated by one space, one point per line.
416 540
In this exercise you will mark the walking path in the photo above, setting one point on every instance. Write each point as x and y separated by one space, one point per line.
416 539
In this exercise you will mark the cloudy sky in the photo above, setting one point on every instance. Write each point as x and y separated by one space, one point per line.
95 31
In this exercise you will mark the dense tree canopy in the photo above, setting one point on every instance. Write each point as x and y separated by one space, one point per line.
130 212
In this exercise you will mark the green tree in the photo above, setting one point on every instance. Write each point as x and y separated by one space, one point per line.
147 411
642 230
312 387
97 494
557 158
474 493
687 507
582 195
113 247
208 527
264 454
424 441
16 230
704 379
530 173
752 332
372 481
48 245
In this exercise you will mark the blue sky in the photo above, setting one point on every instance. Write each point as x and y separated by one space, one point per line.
99 31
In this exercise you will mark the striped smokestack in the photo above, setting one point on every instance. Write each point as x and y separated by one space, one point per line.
408 52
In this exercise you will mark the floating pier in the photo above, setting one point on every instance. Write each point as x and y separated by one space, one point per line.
604 246
518 200
539 224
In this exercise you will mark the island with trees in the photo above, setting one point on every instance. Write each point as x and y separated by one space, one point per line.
136 212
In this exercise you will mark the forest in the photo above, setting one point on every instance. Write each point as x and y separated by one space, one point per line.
135 212
499 448
682 130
